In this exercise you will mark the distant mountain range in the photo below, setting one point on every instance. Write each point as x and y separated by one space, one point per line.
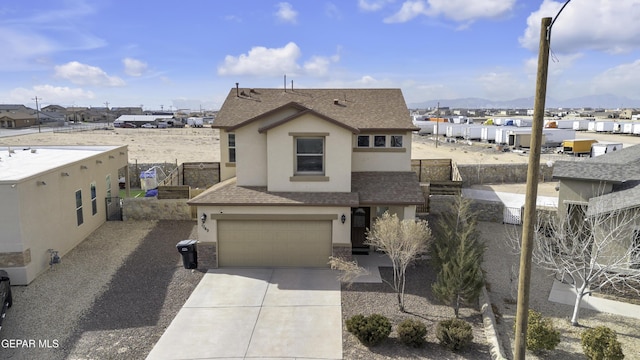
606 101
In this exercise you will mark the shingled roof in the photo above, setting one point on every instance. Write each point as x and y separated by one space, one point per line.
617 167
368 188
621 168
363 109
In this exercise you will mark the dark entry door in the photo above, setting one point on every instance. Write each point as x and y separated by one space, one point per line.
360 222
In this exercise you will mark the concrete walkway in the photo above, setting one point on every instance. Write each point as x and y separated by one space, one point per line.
566 294
258 313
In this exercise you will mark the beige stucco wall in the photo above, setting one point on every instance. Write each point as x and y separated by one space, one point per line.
382 159
36 217
341 233
281 155
579 191
227 170
251 156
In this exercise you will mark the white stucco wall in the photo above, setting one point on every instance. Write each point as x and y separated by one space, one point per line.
281 153
251 156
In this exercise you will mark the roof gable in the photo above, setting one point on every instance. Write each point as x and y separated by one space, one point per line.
363 109
306 112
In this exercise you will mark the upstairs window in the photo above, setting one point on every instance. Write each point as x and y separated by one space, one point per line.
363 140
380 140
396 141
232 147
309 155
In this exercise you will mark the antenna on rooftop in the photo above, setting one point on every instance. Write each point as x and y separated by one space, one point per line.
285 82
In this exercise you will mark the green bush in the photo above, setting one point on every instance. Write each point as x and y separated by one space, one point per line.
371 330
412 332
541 334
601 343
454 334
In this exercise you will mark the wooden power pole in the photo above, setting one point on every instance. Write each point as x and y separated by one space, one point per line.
529 220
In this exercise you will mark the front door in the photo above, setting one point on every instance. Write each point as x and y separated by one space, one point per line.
360 222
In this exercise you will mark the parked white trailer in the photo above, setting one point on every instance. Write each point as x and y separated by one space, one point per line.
564 124
502 133
455 130
439 128
473 132
555 137
195 122
606 126
523 122
591 126
601 148
626 128
581 125
488 133
636 129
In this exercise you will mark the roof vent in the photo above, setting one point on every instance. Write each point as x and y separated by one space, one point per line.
336 101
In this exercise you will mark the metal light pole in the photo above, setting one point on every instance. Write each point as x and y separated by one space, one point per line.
529 220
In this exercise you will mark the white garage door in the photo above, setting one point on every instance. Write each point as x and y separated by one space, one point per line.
274 243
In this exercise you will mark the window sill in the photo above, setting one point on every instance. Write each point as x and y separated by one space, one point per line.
309 178
379 149
230 164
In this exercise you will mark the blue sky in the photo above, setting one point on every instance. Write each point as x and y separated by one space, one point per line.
187 54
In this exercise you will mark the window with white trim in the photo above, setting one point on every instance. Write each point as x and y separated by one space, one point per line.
232 147
108 182
79 216
363 140
396 141
309 159
379 140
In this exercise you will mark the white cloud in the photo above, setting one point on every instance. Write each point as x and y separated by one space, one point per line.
133 67
332 11
50 94
503 85
372 5
601 25
558 64
409 10
456 10
465 10
82 74
262 61
622 79
286 13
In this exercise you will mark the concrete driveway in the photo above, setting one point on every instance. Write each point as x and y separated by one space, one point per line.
258 313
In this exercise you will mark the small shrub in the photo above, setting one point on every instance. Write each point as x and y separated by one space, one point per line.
454 334
412 332
541 334
601 343
371 330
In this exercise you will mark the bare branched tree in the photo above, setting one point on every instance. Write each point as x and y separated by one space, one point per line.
589 247
403 241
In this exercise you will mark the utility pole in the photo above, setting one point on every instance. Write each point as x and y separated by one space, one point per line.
437 122
529 220
106 103
37 112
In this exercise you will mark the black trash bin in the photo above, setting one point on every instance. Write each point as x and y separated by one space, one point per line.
189 251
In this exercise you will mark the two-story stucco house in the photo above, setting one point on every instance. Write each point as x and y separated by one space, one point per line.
304 173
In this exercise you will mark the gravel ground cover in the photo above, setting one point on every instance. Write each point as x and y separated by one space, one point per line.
368 299
498 264
111 297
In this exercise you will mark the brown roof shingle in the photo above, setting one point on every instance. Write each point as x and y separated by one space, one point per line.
367 188
363 109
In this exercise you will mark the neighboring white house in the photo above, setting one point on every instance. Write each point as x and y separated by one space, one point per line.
304 174
52 198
